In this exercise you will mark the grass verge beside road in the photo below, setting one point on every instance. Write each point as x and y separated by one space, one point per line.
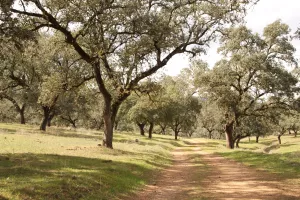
69 164
283 159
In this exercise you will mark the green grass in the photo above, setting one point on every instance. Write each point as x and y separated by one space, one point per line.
283 159
69 164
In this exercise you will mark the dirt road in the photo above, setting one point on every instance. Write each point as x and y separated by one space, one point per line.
199 175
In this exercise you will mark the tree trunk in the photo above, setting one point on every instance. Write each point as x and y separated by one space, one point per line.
281 134
108 119
49 123
237 142
20 110
163 129
279 138
209 134
176 134
238 139
257 138
73 122
110 107
47 111
229 135
116 125
22 114
220 135
151 129
51 116
142 130
295 132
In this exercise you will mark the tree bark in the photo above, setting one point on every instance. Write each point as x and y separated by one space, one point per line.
176 128
116 125
73 122
51 116
142 130
108 119
22 114
279 139
176 134
163 129
257 138
238 138
47 111
229 135
210 134
280 134
110 107
20 110
151 129
295 132
220 135
237 142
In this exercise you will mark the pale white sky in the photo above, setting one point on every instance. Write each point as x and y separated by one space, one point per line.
264 13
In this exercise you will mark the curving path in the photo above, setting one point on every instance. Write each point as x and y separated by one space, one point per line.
198 175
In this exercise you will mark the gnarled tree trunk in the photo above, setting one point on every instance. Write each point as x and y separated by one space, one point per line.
150 129
44 123
50 119
176 134
239 138
108 119
280 134
229 135
141 126
22 114
163 129
279 139
220 135
176 128
116 125
20 110
210 134
257 138
238 141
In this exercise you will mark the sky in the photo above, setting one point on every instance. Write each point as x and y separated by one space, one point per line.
262 14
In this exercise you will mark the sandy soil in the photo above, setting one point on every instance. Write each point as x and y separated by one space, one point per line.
218 178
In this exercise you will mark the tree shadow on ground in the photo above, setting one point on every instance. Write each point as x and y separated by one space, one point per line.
8 130
45 176
73 135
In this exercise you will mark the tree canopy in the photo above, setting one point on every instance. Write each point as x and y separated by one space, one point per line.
125 41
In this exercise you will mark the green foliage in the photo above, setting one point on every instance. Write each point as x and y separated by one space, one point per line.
251 80
51 88
178 105
211 119
124 42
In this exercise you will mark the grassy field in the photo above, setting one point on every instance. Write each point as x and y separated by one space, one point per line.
268 155
69 164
